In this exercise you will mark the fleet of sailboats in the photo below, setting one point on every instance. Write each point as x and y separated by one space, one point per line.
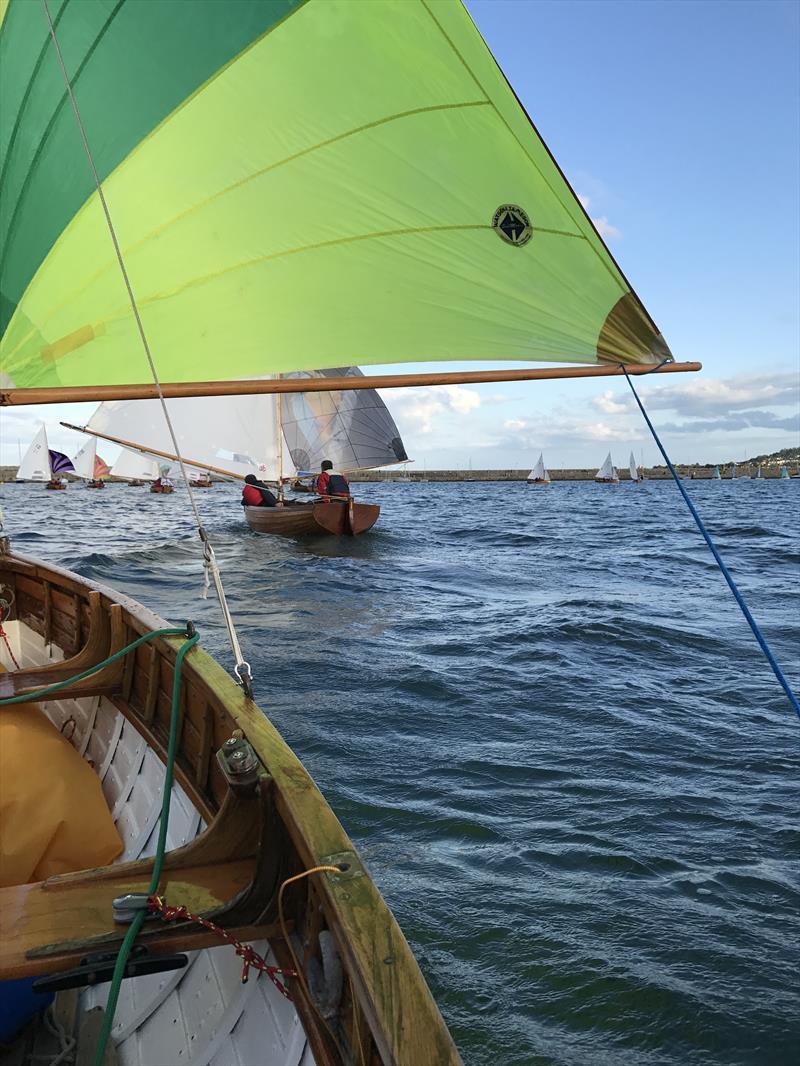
399 205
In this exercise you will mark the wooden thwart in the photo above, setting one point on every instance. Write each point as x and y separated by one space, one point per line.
44 931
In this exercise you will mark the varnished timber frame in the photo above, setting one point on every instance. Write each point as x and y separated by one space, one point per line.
387 1014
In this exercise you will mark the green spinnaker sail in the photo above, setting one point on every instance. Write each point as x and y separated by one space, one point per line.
295 185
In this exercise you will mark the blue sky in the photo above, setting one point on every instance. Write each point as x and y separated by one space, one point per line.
679 123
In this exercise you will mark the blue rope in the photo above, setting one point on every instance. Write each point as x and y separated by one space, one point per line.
725 572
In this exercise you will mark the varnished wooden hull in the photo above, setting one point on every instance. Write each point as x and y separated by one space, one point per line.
231 846
313 519
55 486
537 481
164 490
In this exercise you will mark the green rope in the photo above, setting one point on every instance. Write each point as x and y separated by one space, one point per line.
29 696
158 861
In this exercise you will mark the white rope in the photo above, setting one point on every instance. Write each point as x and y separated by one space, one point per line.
242 668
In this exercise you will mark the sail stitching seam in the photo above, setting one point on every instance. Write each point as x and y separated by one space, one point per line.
248 263
165 226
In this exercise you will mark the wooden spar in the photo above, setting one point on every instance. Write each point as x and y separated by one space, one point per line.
154 451
250 387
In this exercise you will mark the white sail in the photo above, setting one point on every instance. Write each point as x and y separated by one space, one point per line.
239 434
234 433
84 460
35 465
607 471
633 468
134 467
539 472
784 473
353 428
716 473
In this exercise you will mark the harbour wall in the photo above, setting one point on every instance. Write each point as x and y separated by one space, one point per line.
657 473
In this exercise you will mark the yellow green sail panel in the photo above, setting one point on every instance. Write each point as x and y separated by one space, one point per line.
296 184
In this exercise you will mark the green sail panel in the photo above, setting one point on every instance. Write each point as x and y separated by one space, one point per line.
358 185
132 62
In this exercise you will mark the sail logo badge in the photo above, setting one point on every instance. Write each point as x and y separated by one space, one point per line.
512 224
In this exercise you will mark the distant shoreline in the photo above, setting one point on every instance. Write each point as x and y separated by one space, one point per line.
657 473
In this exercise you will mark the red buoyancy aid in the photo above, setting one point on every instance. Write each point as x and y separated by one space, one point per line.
329 483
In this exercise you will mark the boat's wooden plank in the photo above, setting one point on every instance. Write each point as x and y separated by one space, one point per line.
399 1008
151 696
206 738
34 918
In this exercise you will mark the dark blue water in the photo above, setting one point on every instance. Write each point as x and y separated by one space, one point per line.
544 722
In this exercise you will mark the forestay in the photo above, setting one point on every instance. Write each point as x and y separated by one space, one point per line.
400 207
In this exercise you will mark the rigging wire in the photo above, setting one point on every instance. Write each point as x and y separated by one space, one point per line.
242 667
787 688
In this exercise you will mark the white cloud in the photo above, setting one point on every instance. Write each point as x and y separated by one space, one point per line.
609 406
514 424
419 410
605 228
703 397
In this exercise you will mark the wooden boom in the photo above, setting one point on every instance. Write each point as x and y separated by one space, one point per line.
248 387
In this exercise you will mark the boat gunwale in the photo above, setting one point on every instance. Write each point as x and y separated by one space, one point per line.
392 994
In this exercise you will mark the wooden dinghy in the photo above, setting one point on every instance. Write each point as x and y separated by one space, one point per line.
233 843
347 518
163 489
55 485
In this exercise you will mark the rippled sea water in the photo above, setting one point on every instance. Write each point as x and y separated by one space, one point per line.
543 720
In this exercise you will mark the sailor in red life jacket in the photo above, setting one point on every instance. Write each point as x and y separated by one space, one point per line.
330 483
256 494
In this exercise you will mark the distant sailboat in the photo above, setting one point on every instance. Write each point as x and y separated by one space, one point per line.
539 474
607 474
634 469
716 475
784 473
35 465
758 476
41 463
135 468
733 470
89 466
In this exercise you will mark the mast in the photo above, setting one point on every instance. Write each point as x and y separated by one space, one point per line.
250 386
